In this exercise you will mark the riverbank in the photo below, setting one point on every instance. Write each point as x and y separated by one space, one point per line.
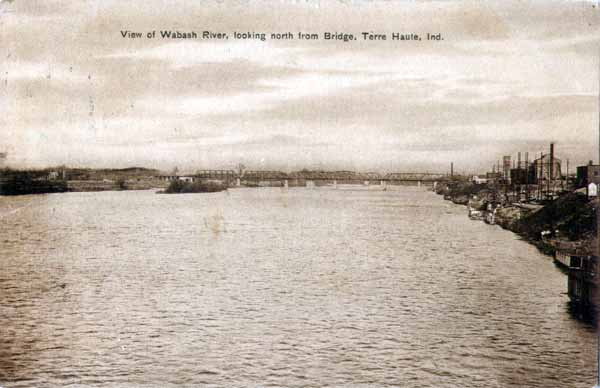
565 223
22 182
563 228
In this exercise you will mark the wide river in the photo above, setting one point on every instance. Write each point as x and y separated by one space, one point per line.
326 287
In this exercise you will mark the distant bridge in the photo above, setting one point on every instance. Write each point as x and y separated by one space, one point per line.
303 176
342 176
224 175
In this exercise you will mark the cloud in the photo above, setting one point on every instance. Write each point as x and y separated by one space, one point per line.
188 54
38 71
277 90
508 75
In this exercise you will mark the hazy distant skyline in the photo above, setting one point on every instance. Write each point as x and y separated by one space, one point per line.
509 76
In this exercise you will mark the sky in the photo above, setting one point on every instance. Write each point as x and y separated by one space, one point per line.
508 77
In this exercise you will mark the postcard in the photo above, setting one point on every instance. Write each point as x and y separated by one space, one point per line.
299 193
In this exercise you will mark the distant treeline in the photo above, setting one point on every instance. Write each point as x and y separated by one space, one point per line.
28 182
83 173
181 187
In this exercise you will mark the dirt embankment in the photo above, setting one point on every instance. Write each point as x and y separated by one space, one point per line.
565 223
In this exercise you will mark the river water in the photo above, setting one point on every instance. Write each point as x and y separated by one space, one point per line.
276 287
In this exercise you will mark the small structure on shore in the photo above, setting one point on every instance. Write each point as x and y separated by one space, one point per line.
582 289
592 190
479 180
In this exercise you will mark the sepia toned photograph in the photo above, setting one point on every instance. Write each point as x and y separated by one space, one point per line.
302 193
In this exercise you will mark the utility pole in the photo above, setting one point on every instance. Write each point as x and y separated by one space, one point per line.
567 180
551 169
527 175
540 179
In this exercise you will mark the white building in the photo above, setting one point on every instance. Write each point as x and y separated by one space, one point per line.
592 190
478 180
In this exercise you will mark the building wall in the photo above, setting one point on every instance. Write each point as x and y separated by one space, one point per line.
593 174
588 174
519 176
582 175
540 170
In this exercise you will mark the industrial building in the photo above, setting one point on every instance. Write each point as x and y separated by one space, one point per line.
545 168
519 176
588 174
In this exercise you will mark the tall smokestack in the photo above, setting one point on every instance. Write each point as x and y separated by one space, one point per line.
506 166
519 160
527 170
551 167
451 169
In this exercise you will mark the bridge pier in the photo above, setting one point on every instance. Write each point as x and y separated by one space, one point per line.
419 184
335 183
367 183
310 184
285 183
238 182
